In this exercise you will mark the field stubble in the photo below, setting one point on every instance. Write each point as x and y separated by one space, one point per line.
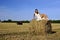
12 31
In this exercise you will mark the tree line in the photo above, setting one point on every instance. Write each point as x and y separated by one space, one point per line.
27 21
11 21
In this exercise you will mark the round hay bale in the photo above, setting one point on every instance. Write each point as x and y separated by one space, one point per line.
41 26
48 27
20 23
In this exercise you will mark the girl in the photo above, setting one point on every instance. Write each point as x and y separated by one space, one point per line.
38 16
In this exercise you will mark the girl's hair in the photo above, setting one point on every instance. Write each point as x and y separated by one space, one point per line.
36 10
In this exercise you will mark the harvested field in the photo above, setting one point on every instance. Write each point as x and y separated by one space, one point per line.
12 31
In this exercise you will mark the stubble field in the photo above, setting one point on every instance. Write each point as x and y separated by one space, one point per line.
12 31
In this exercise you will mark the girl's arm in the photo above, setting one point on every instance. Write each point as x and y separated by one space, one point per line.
34 16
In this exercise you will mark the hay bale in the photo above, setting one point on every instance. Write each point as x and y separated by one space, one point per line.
41 26
48 27
20 23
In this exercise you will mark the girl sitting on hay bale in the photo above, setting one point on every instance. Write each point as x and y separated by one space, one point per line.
39 17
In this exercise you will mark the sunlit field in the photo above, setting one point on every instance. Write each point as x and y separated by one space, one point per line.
12 31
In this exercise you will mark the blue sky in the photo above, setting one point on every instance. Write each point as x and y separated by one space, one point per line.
24 9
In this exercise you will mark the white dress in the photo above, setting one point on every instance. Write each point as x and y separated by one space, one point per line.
38 17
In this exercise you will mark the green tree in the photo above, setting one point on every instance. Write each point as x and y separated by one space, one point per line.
9 20
0 20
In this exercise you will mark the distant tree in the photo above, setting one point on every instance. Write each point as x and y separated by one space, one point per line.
0 20
55 21
9 20
25 21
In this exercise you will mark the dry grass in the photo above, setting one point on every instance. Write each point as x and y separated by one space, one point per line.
12 31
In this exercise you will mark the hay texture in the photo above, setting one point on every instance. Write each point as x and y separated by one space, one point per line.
40 27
